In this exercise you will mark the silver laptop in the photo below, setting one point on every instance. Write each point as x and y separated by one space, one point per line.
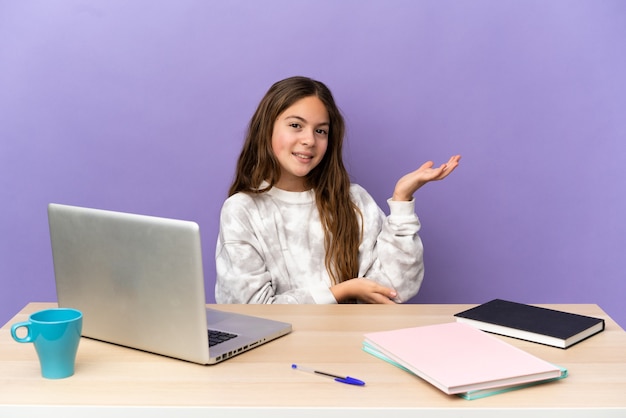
139 282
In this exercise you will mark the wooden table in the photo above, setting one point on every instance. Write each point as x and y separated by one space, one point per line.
260 383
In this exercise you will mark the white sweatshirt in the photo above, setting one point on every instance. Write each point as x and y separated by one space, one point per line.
270 248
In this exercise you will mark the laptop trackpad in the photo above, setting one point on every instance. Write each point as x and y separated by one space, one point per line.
214 317
242 325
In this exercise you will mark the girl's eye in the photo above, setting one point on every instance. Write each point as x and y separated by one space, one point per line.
295 125
322 131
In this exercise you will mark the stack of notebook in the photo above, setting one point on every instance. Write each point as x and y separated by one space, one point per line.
460 359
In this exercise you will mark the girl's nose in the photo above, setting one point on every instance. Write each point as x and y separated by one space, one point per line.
308 138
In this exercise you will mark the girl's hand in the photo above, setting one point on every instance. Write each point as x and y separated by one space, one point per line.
407 185
363 290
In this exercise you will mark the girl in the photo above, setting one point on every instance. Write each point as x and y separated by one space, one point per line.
294 230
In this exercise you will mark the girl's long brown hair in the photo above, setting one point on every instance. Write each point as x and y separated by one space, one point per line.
329 180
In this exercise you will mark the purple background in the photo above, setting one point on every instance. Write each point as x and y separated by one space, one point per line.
141 106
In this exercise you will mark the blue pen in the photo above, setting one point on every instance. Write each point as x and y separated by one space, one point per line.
342 379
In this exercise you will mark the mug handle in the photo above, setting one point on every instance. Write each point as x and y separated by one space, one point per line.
28 338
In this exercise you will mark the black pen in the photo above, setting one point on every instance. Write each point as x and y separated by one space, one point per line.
341 379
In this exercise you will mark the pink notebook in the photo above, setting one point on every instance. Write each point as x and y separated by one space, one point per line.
457 357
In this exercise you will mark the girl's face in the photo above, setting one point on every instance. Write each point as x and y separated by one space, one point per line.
299 141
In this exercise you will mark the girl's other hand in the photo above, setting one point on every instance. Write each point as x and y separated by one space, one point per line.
363 290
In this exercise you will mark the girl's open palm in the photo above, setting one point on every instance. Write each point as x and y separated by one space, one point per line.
408 184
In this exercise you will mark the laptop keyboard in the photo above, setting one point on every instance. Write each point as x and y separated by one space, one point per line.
217 337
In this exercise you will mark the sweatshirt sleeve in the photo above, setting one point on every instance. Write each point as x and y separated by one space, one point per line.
391 252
